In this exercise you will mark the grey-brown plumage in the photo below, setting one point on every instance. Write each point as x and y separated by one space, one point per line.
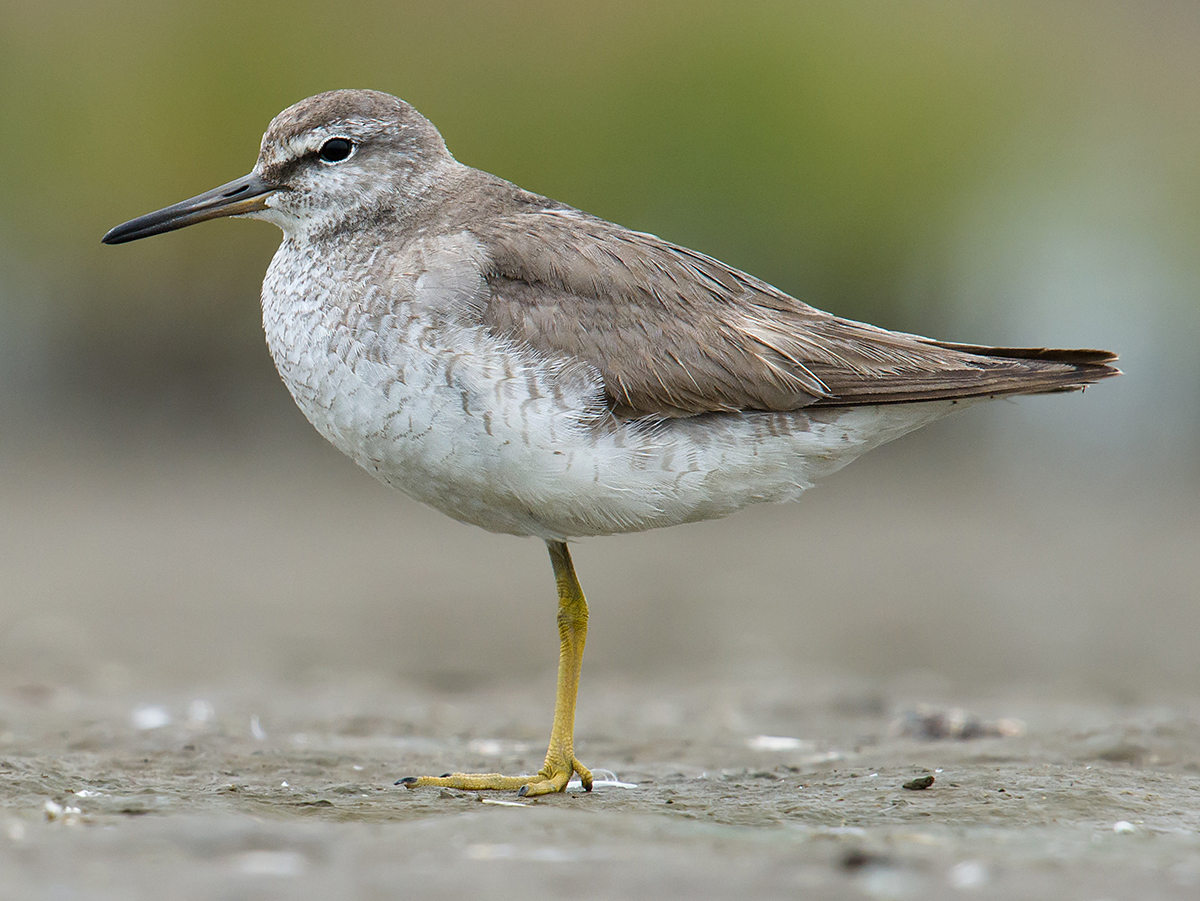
676 333
415 297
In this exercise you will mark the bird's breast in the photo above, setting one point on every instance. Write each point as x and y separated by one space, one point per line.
440 409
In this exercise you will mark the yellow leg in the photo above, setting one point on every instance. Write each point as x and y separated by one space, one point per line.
560 757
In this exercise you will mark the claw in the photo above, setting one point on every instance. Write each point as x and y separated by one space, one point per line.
585 775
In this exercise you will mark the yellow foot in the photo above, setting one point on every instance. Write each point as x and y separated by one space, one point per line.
561 761
551 778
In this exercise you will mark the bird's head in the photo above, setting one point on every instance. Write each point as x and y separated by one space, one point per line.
332 161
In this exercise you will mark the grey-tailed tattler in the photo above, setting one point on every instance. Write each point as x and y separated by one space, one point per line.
534 370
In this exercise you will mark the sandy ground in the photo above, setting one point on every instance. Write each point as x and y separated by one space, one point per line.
214 664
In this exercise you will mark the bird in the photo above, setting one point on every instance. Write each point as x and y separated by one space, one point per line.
534 370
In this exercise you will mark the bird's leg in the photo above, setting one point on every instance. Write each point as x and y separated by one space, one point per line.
561 762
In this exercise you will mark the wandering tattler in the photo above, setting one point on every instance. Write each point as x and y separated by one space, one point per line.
529 368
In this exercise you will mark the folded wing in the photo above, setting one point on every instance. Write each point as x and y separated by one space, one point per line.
676 333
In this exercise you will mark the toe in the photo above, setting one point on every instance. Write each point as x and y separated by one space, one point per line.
585 775
543 787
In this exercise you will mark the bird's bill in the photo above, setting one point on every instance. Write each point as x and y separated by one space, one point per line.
238 197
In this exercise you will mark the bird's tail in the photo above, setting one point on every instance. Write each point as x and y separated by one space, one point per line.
982 371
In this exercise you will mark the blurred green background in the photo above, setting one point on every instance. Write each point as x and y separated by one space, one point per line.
1001 173
995 173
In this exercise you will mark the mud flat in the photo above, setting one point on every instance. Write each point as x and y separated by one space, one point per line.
932 686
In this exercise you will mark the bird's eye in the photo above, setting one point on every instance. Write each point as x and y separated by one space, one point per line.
335 150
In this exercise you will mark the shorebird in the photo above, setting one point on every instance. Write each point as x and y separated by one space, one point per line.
534 370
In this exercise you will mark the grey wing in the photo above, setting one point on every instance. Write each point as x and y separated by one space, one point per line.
676 333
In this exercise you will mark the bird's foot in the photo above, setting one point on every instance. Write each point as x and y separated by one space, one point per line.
553 777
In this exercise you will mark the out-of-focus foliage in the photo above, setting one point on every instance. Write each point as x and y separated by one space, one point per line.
879 159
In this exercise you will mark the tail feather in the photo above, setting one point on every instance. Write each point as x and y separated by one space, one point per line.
1075 357
982 372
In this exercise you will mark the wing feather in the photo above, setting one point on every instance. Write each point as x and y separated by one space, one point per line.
676 333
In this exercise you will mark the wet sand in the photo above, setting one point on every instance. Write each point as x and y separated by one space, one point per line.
214 665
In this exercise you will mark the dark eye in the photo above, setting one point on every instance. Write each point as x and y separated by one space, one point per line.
335 150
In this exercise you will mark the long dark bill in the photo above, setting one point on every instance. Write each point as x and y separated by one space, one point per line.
243 195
